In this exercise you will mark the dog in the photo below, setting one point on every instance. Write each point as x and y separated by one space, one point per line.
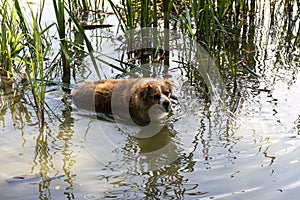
140 99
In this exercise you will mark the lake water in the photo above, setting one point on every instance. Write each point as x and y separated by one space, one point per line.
202 153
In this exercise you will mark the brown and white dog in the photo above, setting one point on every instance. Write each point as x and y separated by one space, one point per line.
140 99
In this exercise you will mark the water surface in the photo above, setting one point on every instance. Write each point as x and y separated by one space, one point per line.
198 154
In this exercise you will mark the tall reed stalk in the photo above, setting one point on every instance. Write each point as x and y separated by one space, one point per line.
59 8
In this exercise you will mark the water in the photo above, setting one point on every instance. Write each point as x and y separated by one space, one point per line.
195 156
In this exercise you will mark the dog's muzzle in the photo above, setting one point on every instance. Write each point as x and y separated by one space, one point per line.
165 103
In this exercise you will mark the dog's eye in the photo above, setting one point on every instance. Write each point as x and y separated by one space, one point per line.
166 93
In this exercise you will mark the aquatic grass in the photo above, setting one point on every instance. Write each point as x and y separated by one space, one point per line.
35 70
23 51
12 40
32 59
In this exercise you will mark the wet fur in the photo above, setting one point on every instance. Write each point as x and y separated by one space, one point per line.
138 94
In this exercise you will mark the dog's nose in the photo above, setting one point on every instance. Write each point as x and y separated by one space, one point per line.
166 104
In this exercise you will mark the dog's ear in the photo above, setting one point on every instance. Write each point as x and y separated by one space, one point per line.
145 90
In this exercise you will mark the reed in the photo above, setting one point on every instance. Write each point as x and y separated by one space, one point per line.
59 8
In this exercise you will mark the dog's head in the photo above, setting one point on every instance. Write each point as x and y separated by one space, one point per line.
157 92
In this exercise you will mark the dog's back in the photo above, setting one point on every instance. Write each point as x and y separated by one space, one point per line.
95 96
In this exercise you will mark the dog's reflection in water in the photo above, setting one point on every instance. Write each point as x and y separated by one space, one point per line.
155 142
